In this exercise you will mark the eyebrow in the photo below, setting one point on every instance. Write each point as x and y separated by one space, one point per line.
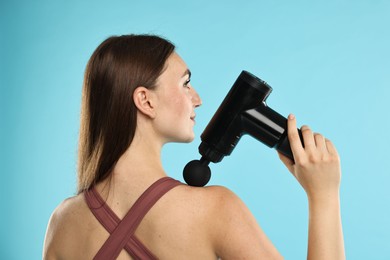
187 72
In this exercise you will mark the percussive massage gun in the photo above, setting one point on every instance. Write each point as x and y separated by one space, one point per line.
243 111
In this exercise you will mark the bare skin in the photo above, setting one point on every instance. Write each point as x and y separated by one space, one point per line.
317 169
189 222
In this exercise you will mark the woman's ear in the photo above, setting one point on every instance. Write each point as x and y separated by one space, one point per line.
144 101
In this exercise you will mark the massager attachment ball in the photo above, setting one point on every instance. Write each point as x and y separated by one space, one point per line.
197 173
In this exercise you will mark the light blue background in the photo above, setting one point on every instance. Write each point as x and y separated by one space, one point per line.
327 61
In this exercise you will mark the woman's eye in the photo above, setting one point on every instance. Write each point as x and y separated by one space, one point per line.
187 83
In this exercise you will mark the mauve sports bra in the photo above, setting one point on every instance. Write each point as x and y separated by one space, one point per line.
122 231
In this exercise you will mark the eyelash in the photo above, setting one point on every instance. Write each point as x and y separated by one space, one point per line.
187 82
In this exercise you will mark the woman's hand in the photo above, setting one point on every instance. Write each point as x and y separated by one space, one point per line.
317 165
317 169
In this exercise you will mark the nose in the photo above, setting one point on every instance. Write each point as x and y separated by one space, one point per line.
196 100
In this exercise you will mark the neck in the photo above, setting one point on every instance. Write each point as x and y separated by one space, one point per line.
134 172
141 162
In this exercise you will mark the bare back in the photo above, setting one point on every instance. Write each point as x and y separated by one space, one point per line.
187 222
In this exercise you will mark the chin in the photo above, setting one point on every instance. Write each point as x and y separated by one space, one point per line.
191 139
187 139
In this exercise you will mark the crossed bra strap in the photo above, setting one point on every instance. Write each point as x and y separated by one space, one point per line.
122 231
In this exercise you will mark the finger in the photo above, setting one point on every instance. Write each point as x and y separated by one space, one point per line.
320 142
330 147
308 138
293 136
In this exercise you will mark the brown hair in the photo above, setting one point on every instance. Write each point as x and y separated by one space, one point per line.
117 67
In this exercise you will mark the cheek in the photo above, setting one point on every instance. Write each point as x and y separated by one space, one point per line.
175 106
181 104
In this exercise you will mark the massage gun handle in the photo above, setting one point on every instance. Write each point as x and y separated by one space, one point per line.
284 145
268 127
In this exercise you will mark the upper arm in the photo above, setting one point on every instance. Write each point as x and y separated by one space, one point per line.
235 232
49 243
58 230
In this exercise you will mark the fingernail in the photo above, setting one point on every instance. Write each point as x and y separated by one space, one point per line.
291 116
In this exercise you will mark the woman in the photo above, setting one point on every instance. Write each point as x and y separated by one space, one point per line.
136 97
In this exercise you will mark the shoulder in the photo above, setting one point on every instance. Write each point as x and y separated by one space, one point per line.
210 200
217 200
67 211
225 207
216 207
62 225
232 228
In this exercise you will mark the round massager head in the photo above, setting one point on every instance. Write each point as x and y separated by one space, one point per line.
197 173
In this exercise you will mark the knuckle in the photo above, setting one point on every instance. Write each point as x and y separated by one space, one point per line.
325 158
335 158
329 158
301 162
312 158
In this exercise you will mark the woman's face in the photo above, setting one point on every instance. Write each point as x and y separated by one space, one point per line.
177 100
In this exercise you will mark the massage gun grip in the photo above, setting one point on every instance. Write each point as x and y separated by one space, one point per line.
284 145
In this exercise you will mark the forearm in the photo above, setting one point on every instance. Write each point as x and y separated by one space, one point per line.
325 229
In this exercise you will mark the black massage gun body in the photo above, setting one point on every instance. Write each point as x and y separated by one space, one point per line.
243 111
